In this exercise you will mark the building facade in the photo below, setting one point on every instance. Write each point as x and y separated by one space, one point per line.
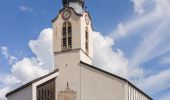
74 77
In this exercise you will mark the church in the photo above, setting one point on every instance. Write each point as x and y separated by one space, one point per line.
74 77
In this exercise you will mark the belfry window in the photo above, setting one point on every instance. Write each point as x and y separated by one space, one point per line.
87 40
67 36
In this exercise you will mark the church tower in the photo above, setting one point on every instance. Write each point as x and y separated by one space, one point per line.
72 39
72 43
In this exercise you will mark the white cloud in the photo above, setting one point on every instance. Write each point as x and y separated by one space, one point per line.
162 6
25 8
158 13
156 36
10 80
165 97
43 49
30 68
121 29
154 27
139 6
160 80
149 47
11 59
165 60
5 51
3 93
107 58
27 69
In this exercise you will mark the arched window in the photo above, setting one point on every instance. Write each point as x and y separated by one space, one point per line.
87 40
67 36
64 36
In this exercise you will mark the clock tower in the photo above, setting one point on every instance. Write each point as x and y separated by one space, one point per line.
72 39
72 43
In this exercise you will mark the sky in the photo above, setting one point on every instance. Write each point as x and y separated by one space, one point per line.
133 36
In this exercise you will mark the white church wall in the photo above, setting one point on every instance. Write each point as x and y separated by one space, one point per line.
69 71
96 85
23 94
85 58
90 35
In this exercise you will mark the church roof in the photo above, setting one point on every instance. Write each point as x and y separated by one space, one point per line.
30 83
116 76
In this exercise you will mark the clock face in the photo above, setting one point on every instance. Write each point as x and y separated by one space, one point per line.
87 19
66 14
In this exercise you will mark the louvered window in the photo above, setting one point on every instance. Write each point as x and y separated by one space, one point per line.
67 36
87 40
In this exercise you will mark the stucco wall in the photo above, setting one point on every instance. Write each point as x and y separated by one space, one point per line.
96 85
23 94
90 34
69 71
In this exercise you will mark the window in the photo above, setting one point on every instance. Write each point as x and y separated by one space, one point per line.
87 40
67 36
64 36
46 91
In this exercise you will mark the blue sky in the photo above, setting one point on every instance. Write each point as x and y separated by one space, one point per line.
133 33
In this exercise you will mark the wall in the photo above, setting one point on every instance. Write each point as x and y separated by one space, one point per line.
96 85
23 94
69 71
90 39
